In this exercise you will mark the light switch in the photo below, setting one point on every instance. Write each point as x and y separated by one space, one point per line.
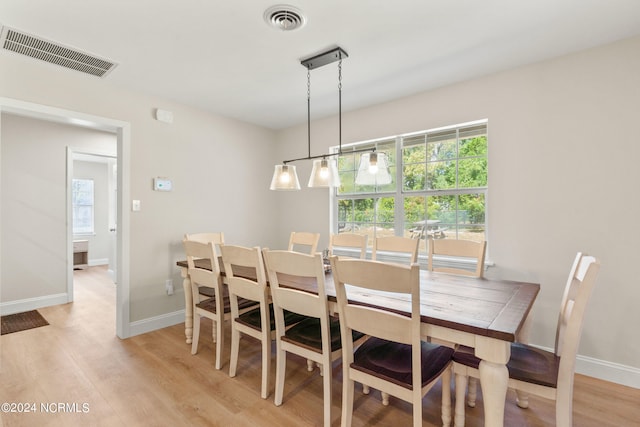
135 205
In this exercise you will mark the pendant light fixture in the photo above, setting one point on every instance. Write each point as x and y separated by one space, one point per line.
325 171
373 169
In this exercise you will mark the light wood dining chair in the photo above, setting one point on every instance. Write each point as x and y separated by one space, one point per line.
459 249
216 308
397 245
349 241
237 260
536 371
305 239
393 360
217 238
316 338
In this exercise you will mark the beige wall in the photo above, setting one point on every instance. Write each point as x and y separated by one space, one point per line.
220 170
563 177
33 195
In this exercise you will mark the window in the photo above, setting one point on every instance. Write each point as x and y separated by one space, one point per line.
438 188
82 204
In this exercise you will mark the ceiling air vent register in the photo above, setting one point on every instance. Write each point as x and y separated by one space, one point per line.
54 53
284 17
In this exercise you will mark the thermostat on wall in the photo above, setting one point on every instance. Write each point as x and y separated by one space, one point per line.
162 184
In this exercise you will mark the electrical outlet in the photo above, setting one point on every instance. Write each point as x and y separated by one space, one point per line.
169 286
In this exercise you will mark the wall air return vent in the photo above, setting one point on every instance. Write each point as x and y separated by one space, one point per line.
54 53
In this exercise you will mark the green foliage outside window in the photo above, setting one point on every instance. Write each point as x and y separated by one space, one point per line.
442 186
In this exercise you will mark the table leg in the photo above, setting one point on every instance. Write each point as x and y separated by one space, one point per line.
522 398
188 305
494 378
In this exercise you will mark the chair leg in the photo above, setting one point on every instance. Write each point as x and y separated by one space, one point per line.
365 389
219 343
326 386
235 350
385 398
281 365
522 399
446 397
473 392
461 388
347 398
266 365
310 365
196 333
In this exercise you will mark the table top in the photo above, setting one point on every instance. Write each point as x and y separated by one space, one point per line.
486 307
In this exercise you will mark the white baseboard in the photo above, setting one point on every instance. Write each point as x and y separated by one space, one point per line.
608 371
29 304
604 370
154 323
98 261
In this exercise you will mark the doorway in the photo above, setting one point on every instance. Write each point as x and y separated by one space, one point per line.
93 212
122 131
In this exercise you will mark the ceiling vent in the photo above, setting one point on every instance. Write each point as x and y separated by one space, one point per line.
284 17
54 53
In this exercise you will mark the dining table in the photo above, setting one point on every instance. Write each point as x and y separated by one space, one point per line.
484 314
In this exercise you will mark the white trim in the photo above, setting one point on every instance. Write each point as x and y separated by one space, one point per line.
98 261
123 132
604 370
157 322
29 304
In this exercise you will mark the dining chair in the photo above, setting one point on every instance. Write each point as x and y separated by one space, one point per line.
316 338
398 245
349 241
237 260
217 238
218 307
394 359
303 238
460 249
533 370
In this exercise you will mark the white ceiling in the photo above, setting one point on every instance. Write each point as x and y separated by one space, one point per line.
223 57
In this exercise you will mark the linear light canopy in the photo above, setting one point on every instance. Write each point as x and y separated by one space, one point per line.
325 171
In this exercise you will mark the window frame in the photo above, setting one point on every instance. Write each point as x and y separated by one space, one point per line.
399 194
75 206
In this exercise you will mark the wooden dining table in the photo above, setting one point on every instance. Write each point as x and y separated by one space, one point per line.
485 314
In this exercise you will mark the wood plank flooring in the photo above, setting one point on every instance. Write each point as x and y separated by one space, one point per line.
153 380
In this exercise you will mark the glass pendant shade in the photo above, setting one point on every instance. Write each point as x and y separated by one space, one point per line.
373 170
285 178
324 174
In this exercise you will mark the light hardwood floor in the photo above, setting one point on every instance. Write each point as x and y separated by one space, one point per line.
153 380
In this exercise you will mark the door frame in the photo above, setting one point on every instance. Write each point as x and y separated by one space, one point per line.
122 130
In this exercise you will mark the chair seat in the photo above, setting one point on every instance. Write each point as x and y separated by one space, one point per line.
253 319
528 364
392 361
308 334
210 303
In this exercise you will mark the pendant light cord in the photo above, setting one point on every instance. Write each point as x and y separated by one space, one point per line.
340 105
309 112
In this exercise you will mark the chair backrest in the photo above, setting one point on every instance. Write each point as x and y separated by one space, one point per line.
460 249
289 268
216 238
574 302
201 276
238 258
378 276
349 240
396 244
577 292
302 238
